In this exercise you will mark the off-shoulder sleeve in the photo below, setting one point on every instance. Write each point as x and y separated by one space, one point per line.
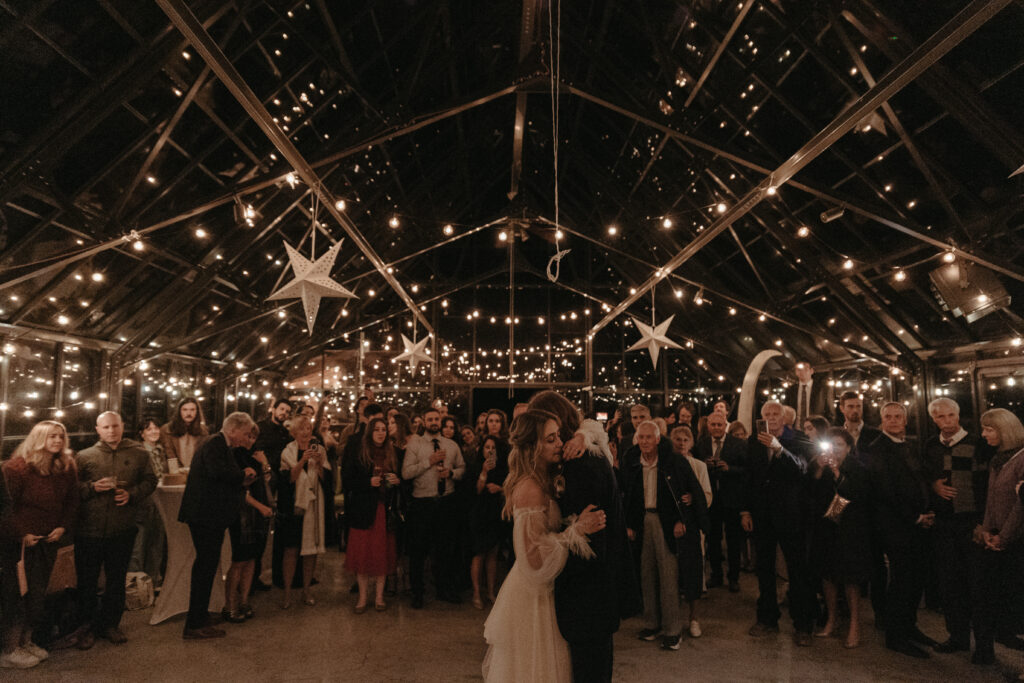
546 551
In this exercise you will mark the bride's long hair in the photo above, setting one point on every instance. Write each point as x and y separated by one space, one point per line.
523 463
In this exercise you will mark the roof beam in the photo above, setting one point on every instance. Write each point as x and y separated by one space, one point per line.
186 22
941 42
745 7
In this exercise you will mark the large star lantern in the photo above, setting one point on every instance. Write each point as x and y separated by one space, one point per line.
653 338
415 353
312 282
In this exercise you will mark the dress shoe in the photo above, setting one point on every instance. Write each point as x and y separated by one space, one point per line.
916 636
734 586
36 651
417 602
671 642
359 609
951 646
802 639
115 635
1010 641
380 606
203 633
758 630
907 648
648 634
983 657
85 640
234 616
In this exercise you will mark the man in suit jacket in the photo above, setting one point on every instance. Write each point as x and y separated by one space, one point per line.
591 596
663 523
213 499
807 396
904 521
773 512
726 457
851 405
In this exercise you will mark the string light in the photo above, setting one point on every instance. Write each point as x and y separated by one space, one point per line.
448 229
848 264
394 222
613 230
200 233
666 223
96 277
900 276
804 231
949 257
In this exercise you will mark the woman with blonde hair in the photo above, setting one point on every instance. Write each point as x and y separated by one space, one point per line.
1000 538
521 631
303 462
42 480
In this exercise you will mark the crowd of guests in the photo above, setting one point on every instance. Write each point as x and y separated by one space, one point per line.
855 511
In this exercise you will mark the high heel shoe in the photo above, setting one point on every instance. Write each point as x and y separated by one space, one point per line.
478 603
359 609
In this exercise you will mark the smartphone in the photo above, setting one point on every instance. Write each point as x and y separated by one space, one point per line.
762 426
602 417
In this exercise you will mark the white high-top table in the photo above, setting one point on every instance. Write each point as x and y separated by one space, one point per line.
173 598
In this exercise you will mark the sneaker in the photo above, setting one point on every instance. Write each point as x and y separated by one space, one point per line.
671 642
695 631
36 651
18 659
648 634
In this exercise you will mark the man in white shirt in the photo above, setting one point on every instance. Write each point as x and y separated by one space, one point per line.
433 463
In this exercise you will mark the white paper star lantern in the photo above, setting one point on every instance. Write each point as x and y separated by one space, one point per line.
312 282
652 337
415 353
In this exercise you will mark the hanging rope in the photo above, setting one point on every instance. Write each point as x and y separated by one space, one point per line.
555 69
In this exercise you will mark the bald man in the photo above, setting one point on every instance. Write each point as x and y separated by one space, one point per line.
114 476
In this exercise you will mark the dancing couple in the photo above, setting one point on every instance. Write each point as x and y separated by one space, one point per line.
572 580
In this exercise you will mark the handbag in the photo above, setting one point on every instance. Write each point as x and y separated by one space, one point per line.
835 509
22 576
63 575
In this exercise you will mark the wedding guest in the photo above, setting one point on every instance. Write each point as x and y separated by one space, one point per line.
273 437
903 519
481 424
1001 546
497 424
374 487
737 429
400 432
682 445
42 487
151 540
303 464
470 440
434 463
725 456
212 501
449 427
851 405
815 429
183 434
487 528
114 477
664 503
840 545
249 531
773 512
957 465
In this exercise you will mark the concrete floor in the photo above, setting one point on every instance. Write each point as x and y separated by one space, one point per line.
443 642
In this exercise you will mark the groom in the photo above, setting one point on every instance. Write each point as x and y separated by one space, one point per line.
591 596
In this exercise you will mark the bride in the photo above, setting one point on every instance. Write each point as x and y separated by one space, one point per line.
521 631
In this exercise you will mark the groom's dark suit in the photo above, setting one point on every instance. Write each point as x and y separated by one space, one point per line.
591 596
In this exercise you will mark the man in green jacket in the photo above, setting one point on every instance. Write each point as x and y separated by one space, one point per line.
114 477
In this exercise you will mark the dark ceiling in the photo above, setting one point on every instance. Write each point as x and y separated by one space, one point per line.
114 129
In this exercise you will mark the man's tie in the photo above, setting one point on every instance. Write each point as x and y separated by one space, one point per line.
801 404
441 483
718 449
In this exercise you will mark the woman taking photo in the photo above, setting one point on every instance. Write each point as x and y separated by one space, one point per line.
373 489
521 631
1001 546
840 545
496 424
487 528
42 482
303 462
183 435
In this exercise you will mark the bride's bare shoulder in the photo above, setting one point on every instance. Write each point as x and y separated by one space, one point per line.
527 494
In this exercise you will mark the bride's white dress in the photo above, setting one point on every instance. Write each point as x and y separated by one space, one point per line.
521 631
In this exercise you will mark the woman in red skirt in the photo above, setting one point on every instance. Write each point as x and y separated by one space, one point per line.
372 480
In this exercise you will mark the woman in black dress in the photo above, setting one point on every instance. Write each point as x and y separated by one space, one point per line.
487 528
840 551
